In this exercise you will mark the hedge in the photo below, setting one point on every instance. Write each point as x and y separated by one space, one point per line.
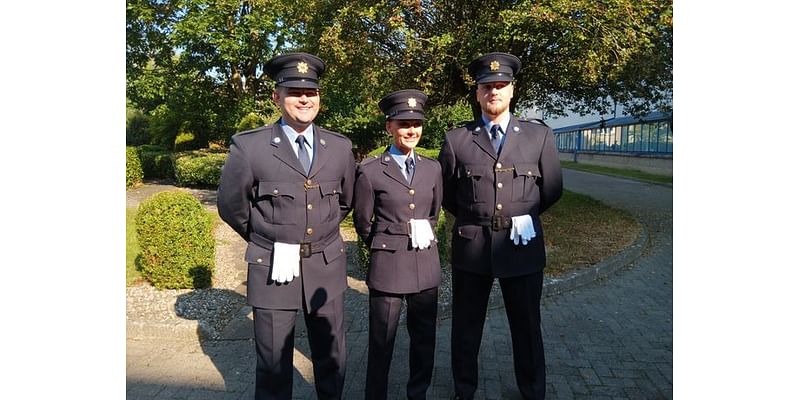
175 236
133 167
199 167
157 162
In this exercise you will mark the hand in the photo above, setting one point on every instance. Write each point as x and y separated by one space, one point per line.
421 233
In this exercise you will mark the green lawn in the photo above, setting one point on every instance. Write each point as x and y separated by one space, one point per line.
627 173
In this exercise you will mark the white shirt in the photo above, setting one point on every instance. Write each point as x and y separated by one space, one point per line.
400 159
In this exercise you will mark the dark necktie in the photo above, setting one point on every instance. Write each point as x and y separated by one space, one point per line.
409 168
497 138
302 153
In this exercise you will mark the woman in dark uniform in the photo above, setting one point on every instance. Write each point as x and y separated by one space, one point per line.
396 205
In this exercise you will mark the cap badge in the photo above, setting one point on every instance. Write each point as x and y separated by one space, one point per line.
412 102
302 67
494 65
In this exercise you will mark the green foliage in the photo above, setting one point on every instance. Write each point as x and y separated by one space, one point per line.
444 234
251 121
185 139
432 153
199 167
133 167
440 119
189 62
136 124
176 240
156 161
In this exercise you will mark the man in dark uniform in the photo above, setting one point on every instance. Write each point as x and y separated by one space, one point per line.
285 188
398 196
500 173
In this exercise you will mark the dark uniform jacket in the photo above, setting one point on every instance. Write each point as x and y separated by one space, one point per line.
265 196
482 189
384 203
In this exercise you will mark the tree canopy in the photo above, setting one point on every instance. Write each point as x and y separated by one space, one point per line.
198 64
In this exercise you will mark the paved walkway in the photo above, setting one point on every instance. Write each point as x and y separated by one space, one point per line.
610 339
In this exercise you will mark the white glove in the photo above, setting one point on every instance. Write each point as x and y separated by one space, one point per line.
286 262
522 229
421 233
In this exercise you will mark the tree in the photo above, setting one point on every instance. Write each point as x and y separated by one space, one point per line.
577 55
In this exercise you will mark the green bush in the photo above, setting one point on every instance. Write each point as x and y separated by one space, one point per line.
175 236
133 167
136 124
199 167
156 162
432 153
185 139
250 121
442 118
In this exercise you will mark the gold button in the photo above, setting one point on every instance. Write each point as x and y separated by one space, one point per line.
275 191
530 173
309 231
383 245
499 206
309 206
258 260
411 192
469 173
499 185
308 182
498 165
341 250
412 206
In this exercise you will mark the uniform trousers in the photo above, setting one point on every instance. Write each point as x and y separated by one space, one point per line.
274 337
384 315
521 295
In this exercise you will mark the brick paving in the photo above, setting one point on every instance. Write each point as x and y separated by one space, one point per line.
610 339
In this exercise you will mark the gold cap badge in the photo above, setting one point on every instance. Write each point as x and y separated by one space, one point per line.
412 102
494 66
302 67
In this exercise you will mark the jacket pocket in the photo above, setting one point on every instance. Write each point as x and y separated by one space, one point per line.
468 232
329 199
525 187
258 255
276 201
334 250
389 243
475 179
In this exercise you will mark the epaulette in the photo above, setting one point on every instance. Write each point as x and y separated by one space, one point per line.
534 121
369 160
259 129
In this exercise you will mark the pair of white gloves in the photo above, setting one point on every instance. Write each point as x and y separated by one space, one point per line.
421 233
522 229
286 262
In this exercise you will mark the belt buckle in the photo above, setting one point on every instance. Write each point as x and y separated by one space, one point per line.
497 222
305 250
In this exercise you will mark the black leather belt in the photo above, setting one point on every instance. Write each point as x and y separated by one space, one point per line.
306 249
496 222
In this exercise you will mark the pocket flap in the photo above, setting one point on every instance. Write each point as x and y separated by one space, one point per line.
276 189
387 242
526 169
330 188
468 231
470 170
334 250
256 254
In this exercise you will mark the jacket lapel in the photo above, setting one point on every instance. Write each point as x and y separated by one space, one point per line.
321 153
283 149
391 169
481 138
510 144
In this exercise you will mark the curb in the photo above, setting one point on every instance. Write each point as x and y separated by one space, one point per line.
177 330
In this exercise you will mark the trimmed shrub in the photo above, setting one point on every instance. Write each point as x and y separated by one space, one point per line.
250 121
184 141
199 167
133 167
175 235
156 162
